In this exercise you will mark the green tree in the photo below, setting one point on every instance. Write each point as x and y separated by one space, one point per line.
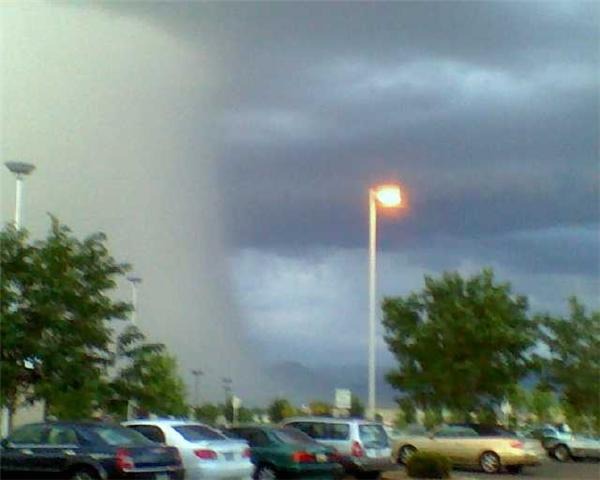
55 318
460 343
357 408
408 409
207 413
149 376
573 364
320 409
541 403
279 409
433 417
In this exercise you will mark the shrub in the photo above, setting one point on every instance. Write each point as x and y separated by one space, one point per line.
428 465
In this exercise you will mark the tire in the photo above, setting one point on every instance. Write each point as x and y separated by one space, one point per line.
84 474
405 452
514 469
562 453
264 472
490 462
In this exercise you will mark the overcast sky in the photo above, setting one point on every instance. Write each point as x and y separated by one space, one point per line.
227 149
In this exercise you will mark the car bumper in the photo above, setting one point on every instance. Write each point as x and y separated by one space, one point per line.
237 471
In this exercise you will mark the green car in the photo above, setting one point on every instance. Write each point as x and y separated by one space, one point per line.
280 452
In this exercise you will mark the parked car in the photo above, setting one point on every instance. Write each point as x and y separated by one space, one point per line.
363 445
561 443
206 453
280 452
464 446
85 451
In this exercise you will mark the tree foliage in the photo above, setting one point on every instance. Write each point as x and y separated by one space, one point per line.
320 408
279 409
357 407
56 309
149 376
573 365
460 343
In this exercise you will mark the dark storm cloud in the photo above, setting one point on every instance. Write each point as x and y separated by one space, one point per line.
487 112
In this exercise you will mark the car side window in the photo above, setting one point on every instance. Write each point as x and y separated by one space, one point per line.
151 432
456 432
302 426
62 435
258 439
339 431
29 435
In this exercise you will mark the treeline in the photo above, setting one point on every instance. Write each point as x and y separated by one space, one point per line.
57 337
464 346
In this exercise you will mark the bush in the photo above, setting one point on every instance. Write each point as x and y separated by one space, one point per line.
428 465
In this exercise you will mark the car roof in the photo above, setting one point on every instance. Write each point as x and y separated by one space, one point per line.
165 422
358 421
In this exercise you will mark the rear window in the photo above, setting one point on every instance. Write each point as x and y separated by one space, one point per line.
119 436
373 436
291 435
198 433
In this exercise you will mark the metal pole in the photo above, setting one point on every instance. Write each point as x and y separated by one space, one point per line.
372 279
134 302
19 202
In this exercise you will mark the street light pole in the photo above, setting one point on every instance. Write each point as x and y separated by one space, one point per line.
20 170
135 281
386 196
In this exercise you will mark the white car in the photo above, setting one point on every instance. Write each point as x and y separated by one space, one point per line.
205 452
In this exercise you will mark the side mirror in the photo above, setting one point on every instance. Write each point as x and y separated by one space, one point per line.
431 435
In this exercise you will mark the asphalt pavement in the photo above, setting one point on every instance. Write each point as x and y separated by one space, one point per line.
548 470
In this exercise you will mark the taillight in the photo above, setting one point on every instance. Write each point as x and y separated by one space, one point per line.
303 457
246 453
516 444
204 454
123 460
357 450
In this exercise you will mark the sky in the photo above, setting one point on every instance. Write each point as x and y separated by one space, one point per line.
227 150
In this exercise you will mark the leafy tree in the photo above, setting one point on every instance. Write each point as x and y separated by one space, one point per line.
207 413
357 408
149 376
407 407
573 365
320 409
279 409
541 403
17 279
55 330
460 343
433 417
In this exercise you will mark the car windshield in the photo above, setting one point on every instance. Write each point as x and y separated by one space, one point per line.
119 436
291 435
198 433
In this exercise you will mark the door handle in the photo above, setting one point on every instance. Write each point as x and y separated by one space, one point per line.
27 451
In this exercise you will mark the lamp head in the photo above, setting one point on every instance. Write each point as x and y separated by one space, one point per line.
20 168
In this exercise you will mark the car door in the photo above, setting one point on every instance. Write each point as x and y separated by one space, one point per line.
20 450
442 442
60 449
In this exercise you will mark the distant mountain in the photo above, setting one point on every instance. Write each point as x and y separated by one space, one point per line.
301 383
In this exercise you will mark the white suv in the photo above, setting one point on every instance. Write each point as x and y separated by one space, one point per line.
364 446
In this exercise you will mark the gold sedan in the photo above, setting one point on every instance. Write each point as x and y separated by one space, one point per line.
471 446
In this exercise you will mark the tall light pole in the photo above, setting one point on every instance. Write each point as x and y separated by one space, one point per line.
135 281
20 170
386 196
196 373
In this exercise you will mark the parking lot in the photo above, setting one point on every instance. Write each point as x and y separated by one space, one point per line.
548 470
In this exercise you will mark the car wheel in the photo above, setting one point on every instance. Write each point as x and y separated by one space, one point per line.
405 453
562 453
84 474
490 462
265 472
514 469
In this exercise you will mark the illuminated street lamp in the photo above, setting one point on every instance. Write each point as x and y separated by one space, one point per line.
20 170
387 196
135 281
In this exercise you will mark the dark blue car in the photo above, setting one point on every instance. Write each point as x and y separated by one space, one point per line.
85 451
